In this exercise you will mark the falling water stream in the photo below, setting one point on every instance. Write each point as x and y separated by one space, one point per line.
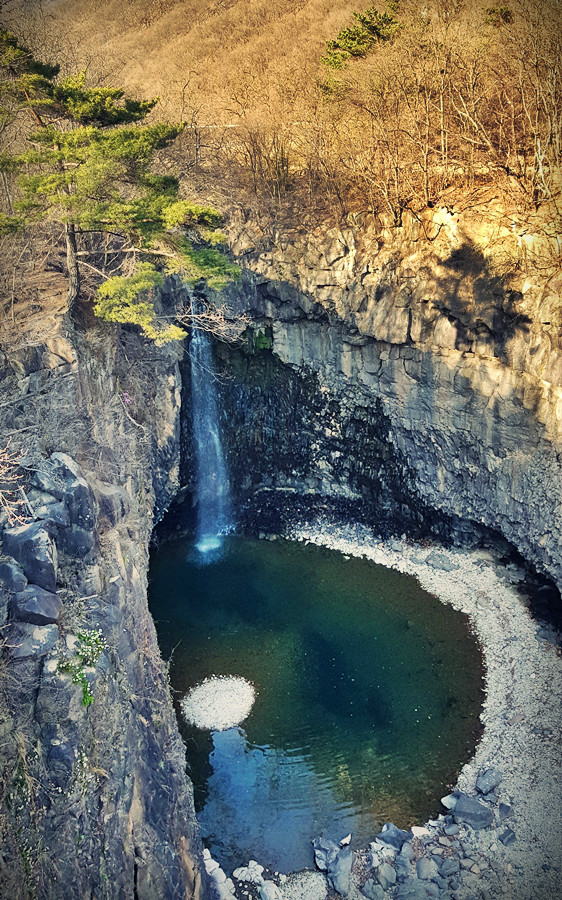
367 689
212 488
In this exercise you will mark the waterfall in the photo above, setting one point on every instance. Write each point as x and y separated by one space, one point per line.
212 488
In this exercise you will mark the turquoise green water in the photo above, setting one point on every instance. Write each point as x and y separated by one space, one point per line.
369 692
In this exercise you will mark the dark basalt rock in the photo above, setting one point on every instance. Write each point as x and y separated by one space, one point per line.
488 780
54 512
60 476
11 577
26 640
36 606
339 873
33 547
113 503
471 812
76 541
394 836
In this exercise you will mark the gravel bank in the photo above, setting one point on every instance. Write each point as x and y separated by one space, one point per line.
522 718
518 854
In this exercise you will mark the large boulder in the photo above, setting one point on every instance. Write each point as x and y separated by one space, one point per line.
60 476
325 852
336 861
11 576
75 541
35 605
339 872
471 812
33 548
393 836
25 640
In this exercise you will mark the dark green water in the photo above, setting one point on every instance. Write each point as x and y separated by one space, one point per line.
369 692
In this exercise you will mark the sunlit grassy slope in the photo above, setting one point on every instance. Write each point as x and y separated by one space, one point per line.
203 56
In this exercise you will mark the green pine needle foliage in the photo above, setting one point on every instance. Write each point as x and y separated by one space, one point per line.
370 28
88 166
127 299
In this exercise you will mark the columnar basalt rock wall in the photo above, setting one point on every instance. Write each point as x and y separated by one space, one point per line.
95 798
436 328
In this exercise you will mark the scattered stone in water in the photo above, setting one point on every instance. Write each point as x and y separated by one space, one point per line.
252 872
219 702
223 886
488 780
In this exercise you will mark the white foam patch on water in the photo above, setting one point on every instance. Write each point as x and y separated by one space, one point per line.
219 702
208 543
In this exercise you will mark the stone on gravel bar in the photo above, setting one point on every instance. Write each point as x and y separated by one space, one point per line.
413 889
471 812
339 871
392 835
325 852
488 780
449 802
505 811
449 867
426 868
439 561
386 876
507 837
372 891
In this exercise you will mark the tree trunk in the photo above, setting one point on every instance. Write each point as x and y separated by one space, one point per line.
72 266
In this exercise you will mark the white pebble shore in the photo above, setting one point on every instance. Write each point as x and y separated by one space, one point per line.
523 693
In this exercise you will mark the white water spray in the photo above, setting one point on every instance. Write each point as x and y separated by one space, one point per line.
212 487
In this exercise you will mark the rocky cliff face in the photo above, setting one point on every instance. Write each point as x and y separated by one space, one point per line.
414 379
95 797
437 365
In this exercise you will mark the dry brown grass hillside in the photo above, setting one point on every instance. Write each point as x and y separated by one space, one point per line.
202 55
459 100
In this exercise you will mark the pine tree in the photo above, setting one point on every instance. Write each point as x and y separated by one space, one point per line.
88 168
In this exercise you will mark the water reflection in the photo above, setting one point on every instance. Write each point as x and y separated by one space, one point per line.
267 803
